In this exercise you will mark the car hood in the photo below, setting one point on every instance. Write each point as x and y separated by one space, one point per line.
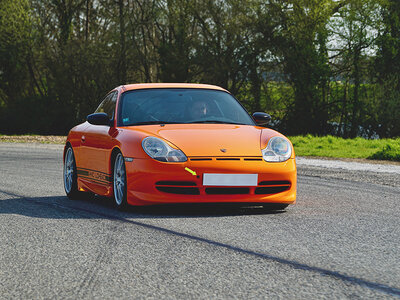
210 139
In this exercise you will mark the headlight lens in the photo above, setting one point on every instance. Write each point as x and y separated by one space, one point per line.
278 149
160 150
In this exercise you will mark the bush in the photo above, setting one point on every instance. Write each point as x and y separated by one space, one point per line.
389 152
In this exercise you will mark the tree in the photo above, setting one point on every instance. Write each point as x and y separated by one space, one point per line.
178 34
387 68
15 42
354 30
222 43
300 38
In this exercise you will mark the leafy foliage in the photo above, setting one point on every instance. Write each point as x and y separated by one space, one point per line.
389 152
319 67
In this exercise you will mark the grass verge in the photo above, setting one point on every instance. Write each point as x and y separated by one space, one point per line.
43 139
331 146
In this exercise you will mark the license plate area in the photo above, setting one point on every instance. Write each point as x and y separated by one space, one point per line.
214 179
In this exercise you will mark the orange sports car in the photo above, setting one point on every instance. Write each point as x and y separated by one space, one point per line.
178 143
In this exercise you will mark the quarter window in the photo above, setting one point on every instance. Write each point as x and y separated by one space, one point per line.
108 105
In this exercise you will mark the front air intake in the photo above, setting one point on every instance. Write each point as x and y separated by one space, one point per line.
227 190
272 187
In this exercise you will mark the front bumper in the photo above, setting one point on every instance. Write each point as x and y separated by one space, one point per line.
152 182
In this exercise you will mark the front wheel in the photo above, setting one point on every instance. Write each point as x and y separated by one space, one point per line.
119 182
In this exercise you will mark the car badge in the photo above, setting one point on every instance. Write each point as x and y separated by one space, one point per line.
223 150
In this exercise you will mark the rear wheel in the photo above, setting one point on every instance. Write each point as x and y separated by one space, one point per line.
119 182
70 174
70 177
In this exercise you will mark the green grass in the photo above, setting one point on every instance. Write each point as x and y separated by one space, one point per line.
330 146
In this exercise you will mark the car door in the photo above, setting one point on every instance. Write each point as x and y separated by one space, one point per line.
97 143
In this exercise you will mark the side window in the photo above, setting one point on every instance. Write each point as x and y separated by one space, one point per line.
108 105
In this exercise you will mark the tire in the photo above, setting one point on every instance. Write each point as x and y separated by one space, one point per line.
70 177
119 182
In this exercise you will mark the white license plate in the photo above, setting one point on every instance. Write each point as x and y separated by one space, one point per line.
230 179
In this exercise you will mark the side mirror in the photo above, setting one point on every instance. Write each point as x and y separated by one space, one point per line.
261 118
98 119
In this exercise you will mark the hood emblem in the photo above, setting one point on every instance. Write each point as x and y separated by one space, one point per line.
223 150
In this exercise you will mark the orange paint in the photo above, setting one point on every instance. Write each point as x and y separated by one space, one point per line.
210 148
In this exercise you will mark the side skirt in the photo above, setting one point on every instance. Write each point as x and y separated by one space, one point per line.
94 181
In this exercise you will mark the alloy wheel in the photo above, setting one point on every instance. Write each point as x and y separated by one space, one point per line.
69 170
119 180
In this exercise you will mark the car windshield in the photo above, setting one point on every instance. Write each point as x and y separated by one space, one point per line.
169 105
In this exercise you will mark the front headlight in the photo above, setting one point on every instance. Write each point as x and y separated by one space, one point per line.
278 149
160 150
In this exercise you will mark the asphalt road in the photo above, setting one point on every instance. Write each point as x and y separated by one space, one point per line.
341 240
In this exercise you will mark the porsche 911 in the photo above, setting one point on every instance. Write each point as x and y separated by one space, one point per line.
149 144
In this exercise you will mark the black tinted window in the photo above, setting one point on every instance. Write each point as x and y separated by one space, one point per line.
108 105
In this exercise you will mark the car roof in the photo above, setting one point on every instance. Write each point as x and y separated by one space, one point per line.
137 86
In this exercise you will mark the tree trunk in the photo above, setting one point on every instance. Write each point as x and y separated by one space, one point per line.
88 4
122 57
356 101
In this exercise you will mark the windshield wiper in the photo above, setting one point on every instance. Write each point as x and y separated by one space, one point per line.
215 122
152 123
